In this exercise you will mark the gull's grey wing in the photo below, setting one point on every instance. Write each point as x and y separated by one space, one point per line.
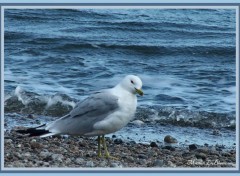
85 114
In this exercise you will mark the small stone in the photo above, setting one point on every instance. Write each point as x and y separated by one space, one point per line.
57 157
8 141
89 164
171 148
45 154
216 132
79 161
137 122
27 154
68 161
103 164
170 139
171 164
202 150
187 155
142 156
116 165
201 156
158 163
192 147
30 116
33 141
153 144
114 136
35 145
118 141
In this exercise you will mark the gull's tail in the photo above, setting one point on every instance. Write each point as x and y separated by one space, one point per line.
37 131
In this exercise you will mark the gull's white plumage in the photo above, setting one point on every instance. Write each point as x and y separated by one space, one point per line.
102 113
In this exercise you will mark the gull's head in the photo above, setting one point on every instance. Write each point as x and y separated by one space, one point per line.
132 84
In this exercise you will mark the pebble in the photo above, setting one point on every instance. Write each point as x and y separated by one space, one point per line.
118 141
137 122
30 116
192 147
57 157
79 161
153 144
158 163
8 141
130 154
89 164
216 132
201 156
142 156
45 154
116 165
170 139
171 148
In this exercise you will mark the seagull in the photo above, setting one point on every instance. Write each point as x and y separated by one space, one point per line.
104 112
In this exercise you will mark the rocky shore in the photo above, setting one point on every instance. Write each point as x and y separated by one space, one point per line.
80 152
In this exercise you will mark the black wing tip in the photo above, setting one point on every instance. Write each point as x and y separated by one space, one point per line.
32 132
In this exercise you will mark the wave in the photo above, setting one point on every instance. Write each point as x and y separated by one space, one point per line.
23 102
186 118
152 50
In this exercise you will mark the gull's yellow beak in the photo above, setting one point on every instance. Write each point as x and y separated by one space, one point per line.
139 91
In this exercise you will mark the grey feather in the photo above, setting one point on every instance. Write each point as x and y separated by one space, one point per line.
85 114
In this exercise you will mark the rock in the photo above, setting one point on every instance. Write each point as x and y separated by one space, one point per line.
142 156
114 136
30 116
170 139
118 141
89 164
158 163
8 141
27 154
79 161
57 157
45 154
67 161
103 164
153 144
171 148
35 145
216 132
202 150
187 155
137 122
192 147
116 165
201 156
171 164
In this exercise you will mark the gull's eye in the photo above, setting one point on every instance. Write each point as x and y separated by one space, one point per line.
132 82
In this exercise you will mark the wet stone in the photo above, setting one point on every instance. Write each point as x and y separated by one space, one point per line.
118 141
201 156
171 148
170 139
158 163
192 147
153 144
89 164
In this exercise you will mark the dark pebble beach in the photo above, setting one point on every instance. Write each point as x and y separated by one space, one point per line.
81 152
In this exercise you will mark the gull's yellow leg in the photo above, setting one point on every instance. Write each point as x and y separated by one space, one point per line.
107 155
99 147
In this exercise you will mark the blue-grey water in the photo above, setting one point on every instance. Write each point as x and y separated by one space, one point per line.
186 59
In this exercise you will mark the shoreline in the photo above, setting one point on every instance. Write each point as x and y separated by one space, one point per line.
81 152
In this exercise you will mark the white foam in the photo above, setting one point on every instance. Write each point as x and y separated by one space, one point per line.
55 99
